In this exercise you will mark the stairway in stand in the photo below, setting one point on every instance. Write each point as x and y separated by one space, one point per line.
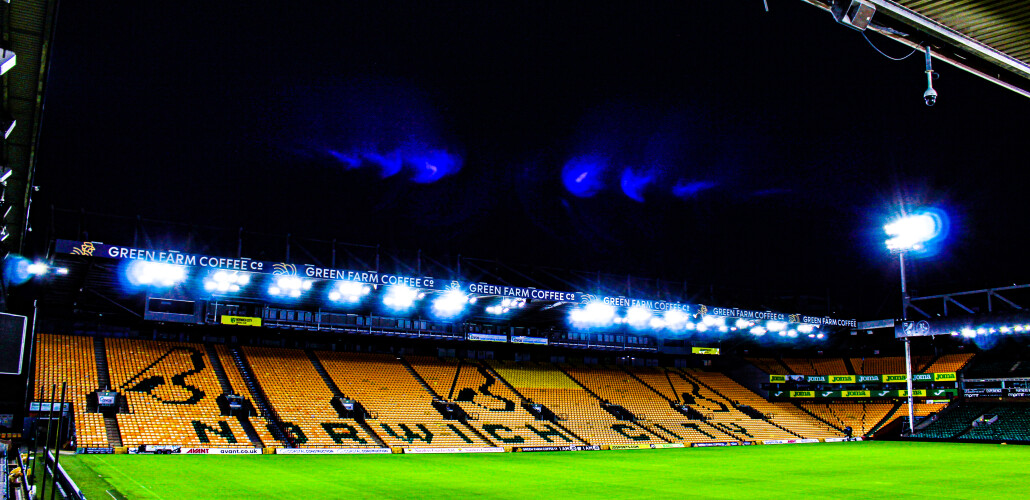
114 434
275 426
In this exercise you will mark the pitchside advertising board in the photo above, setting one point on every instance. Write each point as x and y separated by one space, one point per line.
885 393
333 451
852 379
98 249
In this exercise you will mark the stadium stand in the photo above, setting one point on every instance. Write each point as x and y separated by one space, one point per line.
578 410
768 365
773 417
993 366
239 387
956 420
171 393
721 412
947 363
801 366
303 401
861 417
888 365
401 409
65 358
496 410
1002 422
652 410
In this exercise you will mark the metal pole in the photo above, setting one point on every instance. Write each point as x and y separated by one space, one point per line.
46 443
57 448
29 376
908 346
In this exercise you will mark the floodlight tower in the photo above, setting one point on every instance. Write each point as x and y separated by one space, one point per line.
910 233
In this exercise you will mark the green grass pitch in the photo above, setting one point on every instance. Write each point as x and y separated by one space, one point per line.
839 470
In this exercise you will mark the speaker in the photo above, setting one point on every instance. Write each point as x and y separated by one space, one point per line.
853 13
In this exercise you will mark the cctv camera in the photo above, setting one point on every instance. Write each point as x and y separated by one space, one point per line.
930 96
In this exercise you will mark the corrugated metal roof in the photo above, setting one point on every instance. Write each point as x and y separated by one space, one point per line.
29 24
1003 25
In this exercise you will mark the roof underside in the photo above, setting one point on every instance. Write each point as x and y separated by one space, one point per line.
989 38
1003 25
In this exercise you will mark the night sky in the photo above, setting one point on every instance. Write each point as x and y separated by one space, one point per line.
710 142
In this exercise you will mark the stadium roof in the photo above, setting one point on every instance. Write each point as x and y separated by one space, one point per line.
28 31
990 38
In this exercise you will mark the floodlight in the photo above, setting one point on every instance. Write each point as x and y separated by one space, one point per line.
289 286
758 331
348 291
223 281
595 313
913 231
775 326
638 316
37 269
676 319
155 274
450 304
401 297
6 175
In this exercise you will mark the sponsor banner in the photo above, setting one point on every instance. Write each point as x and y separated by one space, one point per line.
219 451
705 350
777 379
842 379
714 444
453 450
790 441
95 451
513 291
654 305
332 451
98 249
921 377
241 321
884 393
559 448
937 401
815 378
868 378
629 447
916 393
488 337
841 440
666 445
1018 393
522 339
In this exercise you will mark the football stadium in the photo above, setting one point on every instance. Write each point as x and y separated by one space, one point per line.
496 251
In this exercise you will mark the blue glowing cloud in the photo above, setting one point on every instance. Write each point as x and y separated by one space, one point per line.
689 189
583 176
634 184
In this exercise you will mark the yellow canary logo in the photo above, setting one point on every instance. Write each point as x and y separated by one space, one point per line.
701 310
794 318
86 248
283 268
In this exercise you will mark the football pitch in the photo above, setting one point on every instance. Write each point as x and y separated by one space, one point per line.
806 471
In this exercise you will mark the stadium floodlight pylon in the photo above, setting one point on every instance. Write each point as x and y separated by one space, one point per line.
911 233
